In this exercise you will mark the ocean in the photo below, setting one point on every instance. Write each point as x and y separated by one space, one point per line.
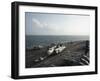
35 40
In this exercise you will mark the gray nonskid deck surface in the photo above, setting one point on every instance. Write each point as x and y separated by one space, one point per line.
72 55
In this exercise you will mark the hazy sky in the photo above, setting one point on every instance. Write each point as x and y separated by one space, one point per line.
56 24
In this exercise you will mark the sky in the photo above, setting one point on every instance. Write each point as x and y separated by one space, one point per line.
56 24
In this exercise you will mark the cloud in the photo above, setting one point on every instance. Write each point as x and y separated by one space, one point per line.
42 25
37 23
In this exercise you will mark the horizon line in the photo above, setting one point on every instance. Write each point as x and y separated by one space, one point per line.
60 35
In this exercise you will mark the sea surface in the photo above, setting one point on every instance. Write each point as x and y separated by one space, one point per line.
35 40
